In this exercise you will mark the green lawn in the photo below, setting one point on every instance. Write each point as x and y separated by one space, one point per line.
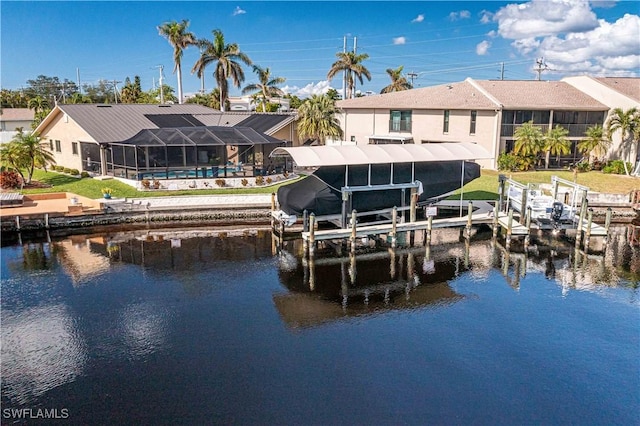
483 188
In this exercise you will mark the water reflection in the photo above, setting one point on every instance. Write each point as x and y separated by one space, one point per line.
41 350
144 328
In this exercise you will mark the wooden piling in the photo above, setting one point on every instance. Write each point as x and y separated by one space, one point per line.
496 212
46 220
352 238
588 231
18 223
469 220
583 211
509 228
427 240
607 220
528 225
312 234
394 224
523 206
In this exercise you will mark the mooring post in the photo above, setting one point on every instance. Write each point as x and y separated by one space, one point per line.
588 230
583 212
273 209
281 233
501 180
18 223
312 234
414 203
305 221
528 225
607 221
496 212
469 220
352 239
46 220
509 229
429 229
394 220
523 206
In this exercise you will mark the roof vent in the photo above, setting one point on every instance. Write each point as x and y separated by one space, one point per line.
164 106
103 106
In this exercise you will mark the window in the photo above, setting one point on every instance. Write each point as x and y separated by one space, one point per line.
58 148
400 121
51 144
74 148
445 124
472 127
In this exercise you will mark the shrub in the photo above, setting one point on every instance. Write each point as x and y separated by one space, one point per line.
220 182
259 180
156 184
508 162
10 180
146 183
74 172
269 180
285 174
615 167
66 170
583 166
58 168
84 175
244 182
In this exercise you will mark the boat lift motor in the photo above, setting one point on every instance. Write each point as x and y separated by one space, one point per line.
556 211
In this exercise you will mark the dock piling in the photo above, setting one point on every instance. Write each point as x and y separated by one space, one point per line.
352 238
469 220
312 234
509 229
394 224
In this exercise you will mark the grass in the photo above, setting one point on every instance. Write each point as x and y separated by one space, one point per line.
92 188
483 188
486 186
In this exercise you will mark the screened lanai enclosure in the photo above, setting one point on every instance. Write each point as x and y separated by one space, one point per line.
191 152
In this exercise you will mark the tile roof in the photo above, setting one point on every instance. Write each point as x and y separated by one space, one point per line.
482 94
461 95
628 86
533 94
16 114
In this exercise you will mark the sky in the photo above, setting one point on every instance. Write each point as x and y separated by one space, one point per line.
436 42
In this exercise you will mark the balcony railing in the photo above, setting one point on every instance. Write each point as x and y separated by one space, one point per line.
575 130
399 126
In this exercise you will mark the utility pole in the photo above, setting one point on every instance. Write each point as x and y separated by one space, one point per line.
344 72
355 48
412 75
161 68
115 90
541 66
78 77
501 70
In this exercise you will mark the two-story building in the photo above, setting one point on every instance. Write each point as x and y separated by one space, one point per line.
485 112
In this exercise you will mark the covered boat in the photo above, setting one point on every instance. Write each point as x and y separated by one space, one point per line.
374 177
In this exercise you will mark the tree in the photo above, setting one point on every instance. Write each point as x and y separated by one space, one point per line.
556 143
294 101
317 119
528 140
267 86
40 107
25 152
212 99
99 93
595 144
227 58
50 88
178 36
628 124
352 64
398 81
79 98
131 93
12 99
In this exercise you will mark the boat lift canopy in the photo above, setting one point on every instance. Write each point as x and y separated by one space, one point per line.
318 156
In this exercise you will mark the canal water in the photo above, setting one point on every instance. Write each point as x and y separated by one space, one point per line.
223 327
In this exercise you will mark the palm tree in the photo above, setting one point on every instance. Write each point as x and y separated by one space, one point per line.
398 81
178 36
267 86
317 119
38 104
226 57
26 151
529 140
628 124
352 64
556 143
595 144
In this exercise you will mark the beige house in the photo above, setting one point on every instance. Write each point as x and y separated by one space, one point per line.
13 119
485 112
137 141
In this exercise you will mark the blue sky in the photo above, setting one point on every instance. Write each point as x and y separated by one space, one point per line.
439 42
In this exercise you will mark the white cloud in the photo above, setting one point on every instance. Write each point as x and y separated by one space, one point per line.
486 17
463 14
418 18
399 40
318 88
483 47
544 17
239 11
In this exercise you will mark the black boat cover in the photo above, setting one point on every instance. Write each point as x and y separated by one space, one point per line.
319 193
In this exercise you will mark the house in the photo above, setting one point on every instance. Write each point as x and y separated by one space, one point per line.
137 141
13 119
486 112
614 92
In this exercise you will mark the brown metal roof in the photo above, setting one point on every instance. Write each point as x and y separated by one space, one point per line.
532 94
462 95
628 86
110 123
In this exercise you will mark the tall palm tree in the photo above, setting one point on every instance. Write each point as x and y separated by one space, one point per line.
178 36
528 140
628 124
26 151
595 144
317 119
352 64
398 81
556 143
267 85
226 57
